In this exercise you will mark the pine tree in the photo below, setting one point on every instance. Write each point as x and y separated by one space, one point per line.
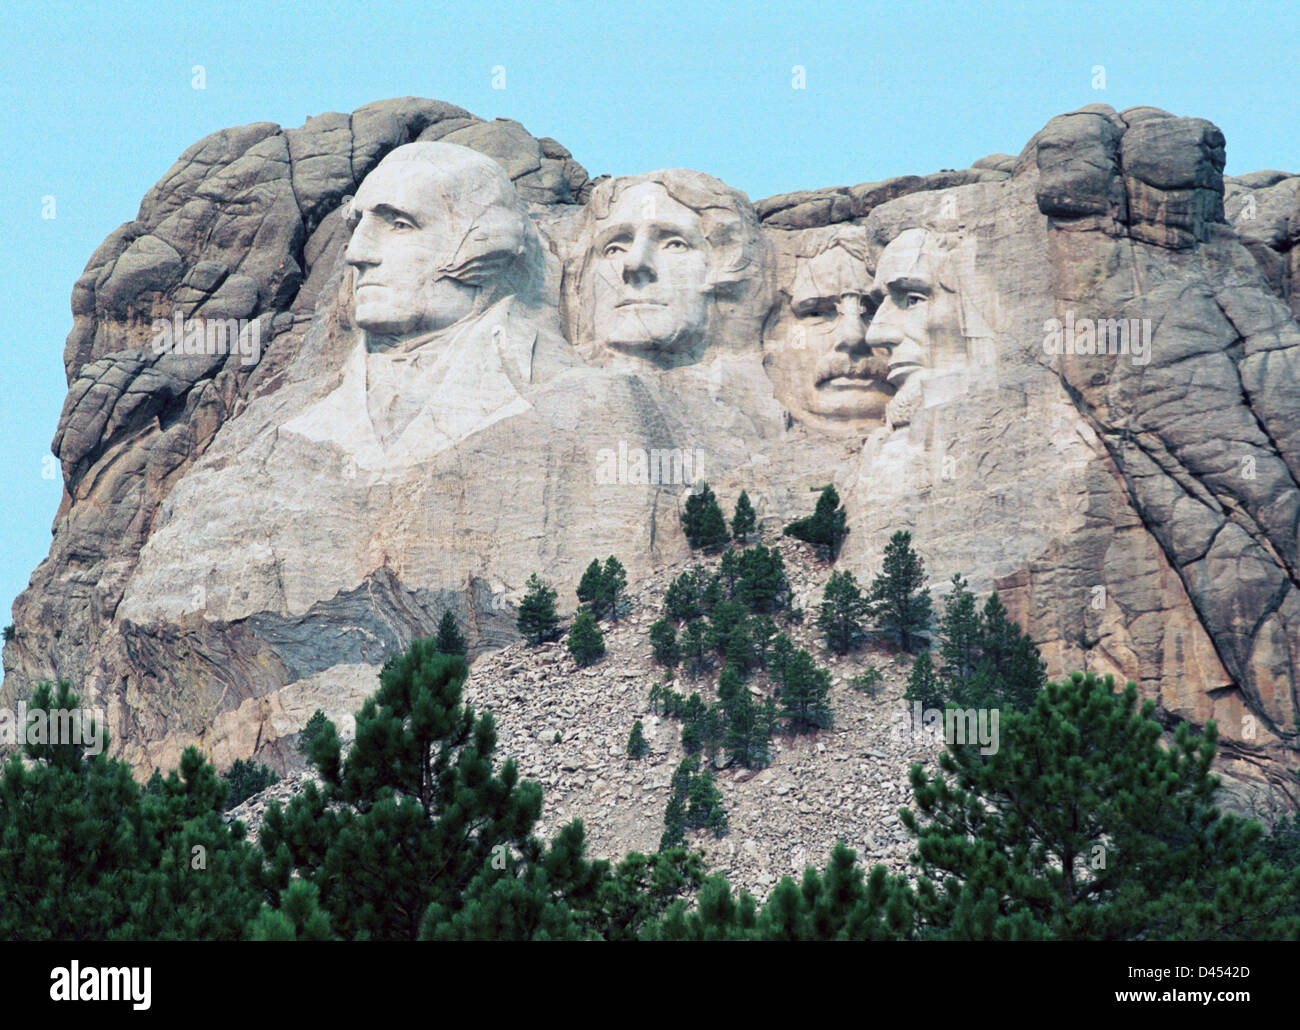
959 634
694 646
762 585
729 572
556 894
727 618
762 630
805 693
695 728
704 809
841 613
924 685
637 745
308 734
586 641
869 681
987 660
826 527
615 582
838 905
682 600
537 619
591 588
449 640
747 732
87 855
402 826
679 789
297 918
713 594
900 600
663 640
1009 669
244 779
1081 825
703 522
744 520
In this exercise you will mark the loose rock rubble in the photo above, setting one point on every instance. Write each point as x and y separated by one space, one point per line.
567 729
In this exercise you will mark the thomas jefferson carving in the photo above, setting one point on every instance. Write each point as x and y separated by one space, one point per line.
670 266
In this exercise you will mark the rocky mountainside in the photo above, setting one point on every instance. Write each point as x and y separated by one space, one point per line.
568 728
1073 374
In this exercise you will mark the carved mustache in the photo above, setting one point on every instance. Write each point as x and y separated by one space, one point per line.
837 364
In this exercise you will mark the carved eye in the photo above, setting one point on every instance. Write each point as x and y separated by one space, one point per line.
613 250
676 243
912 299
401 224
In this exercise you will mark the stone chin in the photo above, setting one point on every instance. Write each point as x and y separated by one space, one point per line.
850 400
383 313
648 346
652 328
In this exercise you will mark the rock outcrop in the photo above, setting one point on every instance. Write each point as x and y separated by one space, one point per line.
1074 374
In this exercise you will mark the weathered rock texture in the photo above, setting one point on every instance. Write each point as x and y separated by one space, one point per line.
842 783
234 549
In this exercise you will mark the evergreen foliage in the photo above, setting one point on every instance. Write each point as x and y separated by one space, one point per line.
695 647
841 613
663 641
244 779
988 661
637 745
684 599
449 639
826 527
87 855
842 904
761 585
412 815
315 726
900 600
703 522
1082 826
537 619
869 681
586 641
602 586
805 692
744 519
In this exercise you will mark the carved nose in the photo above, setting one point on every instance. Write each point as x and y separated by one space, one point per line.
849 333
886 329
638 265
361 248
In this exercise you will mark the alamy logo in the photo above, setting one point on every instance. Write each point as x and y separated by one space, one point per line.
953 725
36 726
210 336
109 983
1129 336
670 465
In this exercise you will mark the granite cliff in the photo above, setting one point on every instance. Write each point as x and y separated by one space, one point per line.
1073 374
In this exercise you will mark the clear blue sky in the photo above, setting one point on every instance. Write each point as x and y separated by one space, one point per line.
98 103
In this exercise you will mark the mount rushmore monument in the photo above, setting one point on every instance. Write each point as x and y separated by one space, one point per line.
1073 374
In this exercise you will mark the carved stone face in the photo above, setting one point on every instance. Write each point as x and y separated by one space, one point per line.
438 234
831 298
398 250
650 271
918 318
